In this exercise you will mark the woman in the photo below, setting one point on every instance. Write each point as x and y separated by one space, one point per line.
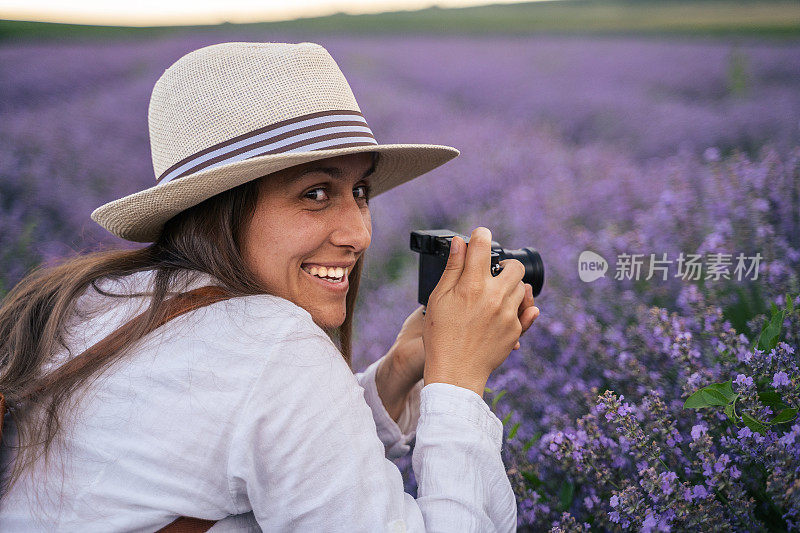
132 405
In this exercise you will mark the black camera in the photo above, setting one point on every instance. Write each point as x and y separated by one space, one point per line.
433 246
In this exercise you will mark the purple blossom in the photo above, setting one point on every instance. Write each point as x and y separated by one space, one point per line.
667 478
780 379
789 438
649 522
698 430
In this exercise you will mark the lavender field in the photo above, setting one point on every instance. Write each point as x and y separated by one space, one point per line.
613 145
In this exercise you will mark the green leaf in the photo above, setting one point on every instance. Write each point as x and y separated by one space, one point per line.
771 399
696 401
497 398
714 394
513 431
532 479
506 418
532 441
789 303
729 412
772 330
487 389
726 389
714 397
787 415
565 496
753 424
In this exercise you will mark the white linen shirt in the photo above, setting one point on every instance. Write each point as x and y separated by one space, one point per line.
245 412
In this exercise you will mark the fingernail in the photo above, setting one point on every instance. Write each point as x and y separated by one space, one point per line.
454 247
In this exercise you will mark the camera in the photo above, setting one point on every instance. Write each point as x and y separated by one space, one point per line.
433 246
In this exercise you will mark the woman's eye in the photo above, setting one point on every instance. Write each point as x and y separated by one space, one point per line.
312 191
364 193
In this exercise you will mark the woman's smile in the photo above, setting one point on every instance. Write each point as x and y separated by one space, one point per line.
331 278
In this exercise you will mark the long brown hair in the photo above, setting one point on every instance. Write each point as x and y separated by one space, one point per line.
36 314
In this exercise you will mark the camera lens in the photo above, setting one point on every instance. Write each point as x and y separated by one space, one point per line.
534 267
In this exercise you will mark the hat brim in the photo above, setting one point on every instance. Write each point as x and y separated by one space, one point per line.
140 217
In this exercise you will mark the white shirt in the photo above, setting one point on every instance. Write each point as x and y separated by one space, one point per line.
244 411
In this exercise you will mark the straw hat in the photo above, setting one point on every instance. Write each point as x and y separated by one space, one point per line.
230 113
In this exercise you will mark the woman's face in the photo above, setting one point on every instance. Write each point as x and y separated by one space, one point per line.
311 220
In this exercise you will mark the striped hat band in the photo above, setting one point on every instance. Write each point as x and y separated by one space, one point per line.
314 131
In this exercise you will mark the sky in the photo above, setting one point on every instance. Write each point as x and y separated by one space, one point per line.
166 12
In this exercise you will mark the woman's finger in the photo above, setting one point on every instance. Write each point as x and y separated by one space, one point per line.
528 317
527 301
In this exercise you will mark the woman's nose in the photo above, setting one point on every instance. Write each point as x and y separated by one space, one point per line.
353 227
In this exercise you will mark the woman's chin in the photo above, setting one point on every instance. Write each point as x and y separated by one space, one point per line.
328 318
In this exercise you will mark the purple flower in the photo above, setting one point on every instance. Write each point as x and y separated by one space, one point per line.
744 381
699 430
780 378
711 154
735 472
789 438
700 492
649 522
624 409
666 482
614 516
614 500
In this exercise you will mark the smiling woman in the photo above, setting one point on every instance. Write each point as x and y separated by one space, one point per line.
205 380
325 203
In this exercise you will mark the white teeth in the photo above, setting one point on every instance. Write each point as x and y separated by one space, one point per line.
328 273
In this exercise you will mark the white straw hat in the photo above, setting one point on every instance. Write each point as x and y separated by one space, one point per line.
230 113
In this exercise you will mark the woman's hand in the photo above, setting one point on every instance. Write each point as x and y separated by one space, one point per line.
527 312
409 352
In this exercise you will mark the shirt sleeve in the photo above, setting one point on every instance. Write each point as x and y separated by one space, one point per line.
396 437
305 454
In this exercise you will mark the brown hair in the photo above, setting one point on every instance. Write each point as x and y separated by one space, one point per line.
36 313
